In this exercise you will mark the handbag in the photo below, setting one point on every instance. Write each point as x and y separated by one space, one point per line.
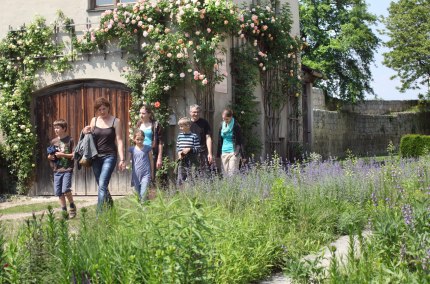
85 162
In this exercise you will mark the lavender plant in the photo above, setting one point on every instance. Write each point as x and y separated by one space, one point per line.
238 229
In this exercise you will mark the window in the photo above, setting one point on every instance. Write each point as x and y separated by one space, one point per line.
104 4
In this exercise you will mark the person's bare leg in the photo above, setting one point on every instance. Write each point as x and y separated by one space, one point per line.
69 196
62 200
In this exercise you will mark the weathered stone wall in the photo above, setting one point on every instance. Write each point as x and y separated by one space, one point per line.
334 132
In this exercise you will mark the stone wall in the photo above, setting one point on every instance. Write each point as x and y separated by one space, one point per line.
318 99
334 132
378 107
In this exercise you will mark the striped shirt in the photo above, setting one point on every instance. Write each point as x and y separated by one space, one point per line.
188 140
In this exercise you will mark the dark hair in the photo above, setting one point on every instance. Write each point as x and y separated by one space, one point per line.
137 131
61 122
101 102
149 111
228 112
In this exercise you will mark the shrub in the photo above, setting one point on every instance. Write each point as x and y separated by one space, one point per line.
7 184
414 145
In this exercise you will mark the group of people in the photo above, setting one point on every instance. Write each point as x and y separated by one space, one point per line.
193 148
194 145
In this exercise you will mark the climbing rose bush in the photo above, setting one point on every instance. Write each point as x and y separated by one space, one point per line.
167 43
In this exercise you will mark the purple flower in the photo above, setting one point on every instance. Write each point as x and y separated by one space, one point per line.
408 215
374 199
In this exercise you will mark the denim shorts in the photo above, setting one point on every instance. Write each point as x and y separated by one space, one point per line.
62 182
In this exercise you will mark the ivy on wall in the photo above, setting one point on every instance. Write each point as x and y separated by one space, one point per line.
168 43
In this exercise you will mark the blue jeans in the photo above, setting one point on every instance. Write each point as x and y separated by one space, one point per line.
62 182
142 187
103 168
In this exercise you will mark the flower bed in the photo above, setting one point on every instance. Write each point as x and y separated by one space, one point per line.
238 230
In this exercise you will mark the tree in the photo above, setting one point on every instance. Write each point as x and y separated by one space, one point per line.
408 26
341 45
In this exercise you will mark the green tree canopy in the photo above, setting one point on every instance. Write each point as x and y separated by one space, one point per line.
341 45
408 26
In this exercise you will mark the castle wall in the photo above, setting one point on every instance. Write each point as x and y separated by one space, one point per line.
366 128
380 107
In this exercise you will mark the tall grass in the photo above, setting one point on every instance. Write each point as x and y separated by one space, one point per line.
239 229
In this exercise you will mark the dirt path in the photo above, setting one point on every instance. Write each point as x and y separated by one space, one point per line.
81 201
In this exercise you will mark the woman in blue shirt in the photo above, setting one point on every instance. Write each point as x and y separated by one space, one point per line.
230 143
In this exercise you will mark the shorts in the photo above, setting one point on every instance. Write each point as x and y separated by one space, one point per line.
62 182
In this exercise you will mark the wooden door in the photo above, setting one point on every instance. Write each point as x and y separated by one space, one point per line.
74 102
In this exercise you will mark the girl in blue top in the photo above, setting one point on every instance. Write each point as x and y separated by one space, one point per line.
153 134
142 165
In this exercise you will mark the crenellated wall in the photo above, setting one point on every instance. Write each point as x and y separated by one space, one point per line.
366 128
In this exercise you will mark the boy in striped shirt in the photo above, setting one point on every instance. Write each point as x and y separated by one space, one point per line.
187 147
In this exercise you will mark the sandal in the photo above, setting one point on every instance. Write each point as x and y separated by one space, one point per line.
72 212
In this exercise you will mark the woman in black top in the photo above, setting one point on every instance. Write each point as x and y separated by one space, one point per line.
107 131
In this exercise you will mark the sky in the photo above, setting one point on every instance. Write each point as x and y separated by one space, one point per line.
382 85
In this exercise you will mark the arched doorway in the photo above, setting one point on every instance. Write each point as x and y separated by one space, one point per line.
74 102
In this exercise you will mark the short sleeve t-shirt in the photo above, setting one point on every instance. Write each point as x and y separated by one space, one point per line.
148 135
202 128
65 146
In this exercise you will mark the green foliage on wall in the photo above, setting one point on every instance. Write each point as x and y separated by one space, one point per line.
22 54
245 106
270 45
